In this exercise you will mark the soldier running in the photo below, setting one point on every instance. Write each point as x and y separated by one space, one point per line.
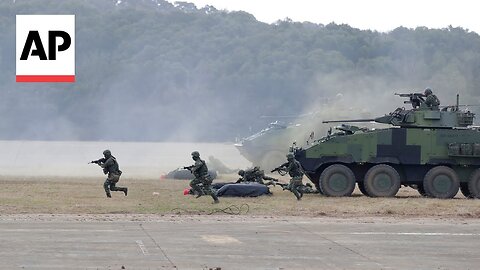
202 181
110 166
295 171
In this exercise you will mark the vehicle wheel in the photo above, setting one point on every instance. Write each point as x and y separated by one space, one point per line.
474 184
465 191
381 181
272 159
441 182
361 187
421 190
337 180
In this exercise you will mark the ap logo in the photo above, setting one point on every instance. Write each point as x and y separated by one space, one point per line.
45 48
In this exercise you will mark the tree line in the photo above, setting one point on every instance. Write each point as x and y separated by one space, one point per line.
151 70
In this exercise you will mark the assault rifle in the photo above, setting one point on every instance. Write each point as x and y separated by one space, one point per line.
281 170
98 162
189 167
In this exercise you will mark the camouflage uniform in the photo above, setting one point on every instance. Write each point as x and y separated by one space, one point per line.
255 175
260 176
295 171
431 100
202 181
110 166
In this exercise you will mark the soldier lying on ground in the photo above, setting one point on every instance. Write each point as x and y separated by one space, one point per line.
256 175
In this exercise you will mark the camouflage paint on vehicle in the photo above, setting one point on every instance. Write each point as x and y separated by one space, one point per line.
433 148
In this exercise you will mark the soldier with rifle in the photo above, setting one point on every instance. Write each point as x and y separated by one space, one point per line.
256 175
294 169
110 167
425 100
202 181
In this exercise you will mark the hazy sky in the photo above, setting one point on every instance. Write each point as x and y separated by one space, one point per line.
380 15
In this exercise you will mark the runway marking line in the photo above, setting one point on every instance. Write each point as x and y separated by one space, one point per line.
220 239
142 247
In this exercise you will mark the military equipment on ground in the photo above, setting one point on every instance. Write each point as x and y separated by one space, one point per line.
435 151
185 174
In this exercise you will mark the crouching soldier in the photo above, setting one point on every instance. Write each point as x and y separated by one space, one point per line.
295 171
202 181
110 167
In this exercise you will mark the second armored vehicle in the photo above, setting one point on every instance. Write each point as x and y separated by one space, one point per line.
432 149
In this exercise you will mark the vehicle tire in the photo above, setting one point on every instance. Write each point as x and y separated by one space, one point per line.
421 190
465 191
337 181
361 187
441 182
382 181
474 184
317 186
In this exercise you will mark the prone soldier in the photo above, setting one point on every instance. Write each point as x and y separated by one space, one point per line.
256 175
110 166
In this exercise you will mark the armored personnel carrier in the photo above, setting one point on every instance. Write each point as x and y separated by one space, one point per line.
267 147
433 149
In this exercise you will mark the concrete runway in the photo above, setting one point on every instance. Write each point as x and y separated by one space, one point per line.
235 242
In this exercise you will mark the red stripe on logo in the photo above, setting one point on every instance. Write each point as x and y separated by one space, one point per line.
45 78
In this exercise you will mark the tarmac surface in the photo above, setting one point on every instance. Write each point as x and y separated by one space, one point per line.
235 242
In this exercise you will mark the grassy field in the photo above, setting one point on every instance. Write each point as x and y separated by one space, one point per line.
152 196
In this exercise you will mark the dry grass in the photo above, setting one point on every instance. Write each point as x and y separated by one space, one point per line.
86 196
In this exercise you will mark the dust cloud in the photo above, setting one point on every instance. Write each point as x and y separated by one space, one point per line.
349 96
136 160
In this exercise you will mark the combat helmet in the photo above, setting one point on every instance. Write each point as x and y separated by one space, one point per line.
290 156
195 154
107 153
428 92
241 172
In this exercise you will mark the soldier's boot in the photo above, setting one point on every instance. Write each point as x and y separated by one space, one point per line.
196 190
108 194
215 198
300 191
297 194
199 193
125 190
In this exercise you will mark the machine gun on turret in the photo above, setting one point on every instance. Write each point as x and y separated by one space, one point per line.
421 116
416 99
